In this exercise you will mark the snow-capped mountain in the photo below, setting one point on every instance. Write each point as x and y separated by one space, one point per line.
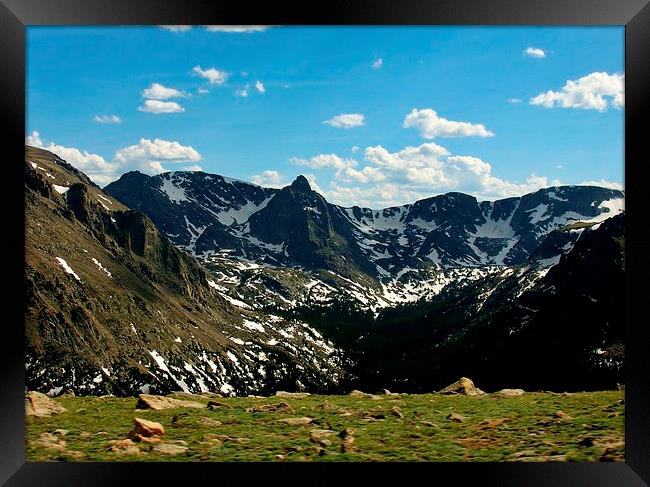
295 226
221 285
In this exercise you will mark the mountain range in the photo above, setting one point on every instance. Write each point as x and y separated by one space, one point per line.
195 281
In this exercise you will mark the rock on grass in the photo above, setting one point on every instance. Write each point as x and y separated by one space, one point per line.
41 406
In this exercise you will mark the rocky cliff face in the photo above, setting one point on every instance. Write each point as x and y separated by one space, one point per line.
114 307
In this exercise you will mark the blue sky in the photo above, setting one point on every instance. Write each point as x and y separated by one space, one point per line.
372 115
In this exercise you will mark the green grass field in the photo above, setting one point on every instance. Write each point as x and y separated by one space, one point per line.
585 426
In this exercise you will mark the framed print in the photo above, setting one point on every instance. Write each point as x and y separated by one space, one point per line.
379 235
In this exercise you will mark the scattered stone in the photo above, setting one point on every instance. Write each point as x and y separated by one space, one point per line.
296 395
492 423
280 457
462 386
357 393
124 447
564 416
169 449
210 422
61 432
456 418
347 439
51 441
84 435
429 424
296 421
510 392
525 453
320 436
282 407
145 430
212 405
157 403
396 412
41 406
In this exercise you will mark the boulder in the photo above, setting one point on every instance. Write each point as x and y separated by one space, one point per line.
456 418
296 421
145 430
41 406
169 449
510 392
462 386
296 395
148 401
282 407
123 447
357 393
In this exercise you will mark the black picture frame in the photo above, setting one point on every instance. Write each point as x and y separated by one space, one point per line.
15 15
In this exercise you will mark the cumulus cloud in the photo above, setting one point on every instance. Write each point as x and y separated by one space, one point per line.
346 120
93 165
391 178
259 86
193 167
325 161
603 183
213 75
176 28
157 106
269 179
159 150
377 63
431 125
147 156
107 119
237 29
159 92
535 52
243 92
595 91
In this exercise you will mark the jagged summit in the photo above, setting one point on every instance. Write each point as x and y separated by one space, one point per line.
301 184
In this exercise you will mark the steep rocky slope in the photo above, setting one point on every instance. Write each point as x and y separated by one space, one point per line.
114 307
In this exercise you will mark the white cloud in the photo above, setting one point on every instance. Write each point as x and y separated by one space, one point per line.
325 161
346 120
157 106
202 91
176 28
514 100
355 149
602 183
269 179
159 92
259 86
107 119
93 165
237 29
213 75
147 156
158 150
431 125
34 139
535 52
595 91
391 178
242 92
366 175
425 155
377 63
193 167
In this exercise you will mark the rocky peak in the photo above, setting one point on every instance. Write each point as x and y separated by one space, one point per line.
301 184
